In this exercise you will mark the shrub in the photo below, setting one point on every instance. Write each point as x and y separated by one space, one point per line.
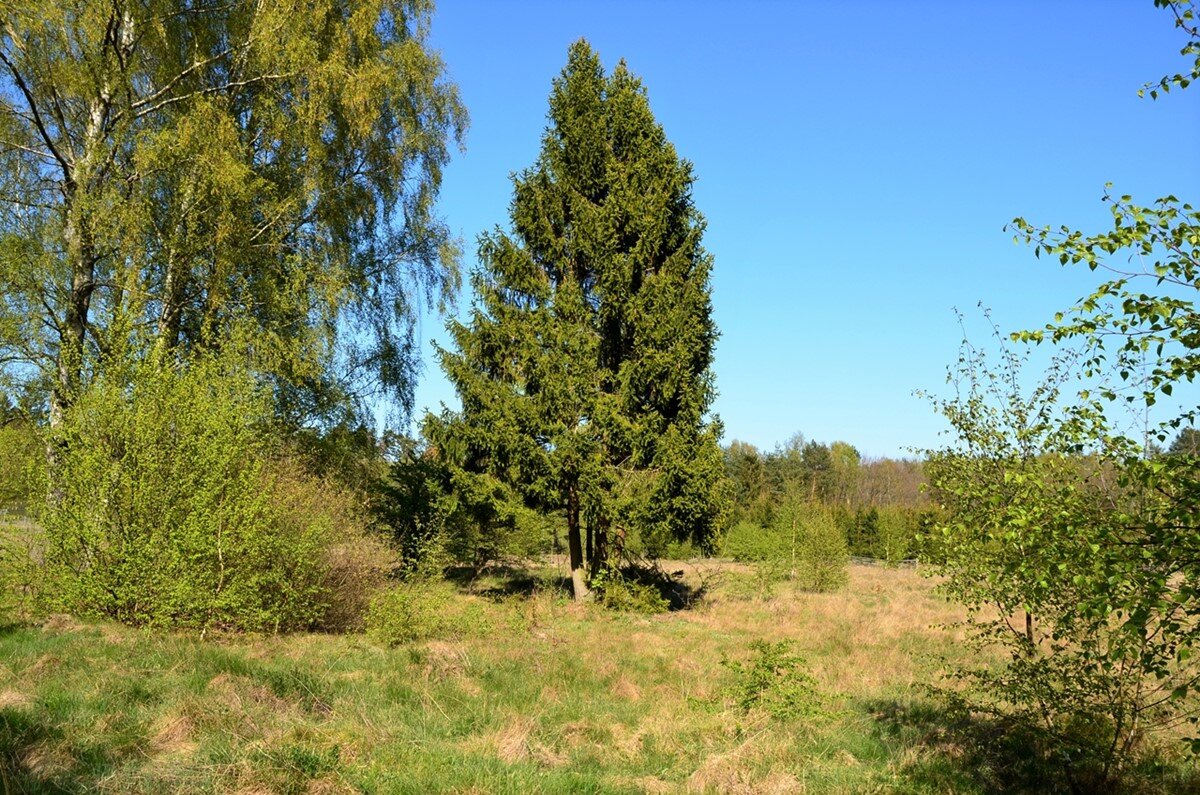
862 532
22 461
469 519
628 594
748 542
357 567
804 543
897 534
758 584
356 562
820 557
772 680
171 508
1051 534
421 609
683 550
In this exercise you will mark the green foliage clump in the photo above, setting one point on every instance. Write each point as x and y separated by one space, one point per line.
170 508
748 542
1078 524
820 556
22 457
1048 549
629 594
889 533
242 165
422 609
773 680
804 544
897 533
427 505
22 461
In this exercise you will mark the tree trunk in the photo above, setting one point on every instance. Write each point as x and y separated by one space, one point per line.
599 556
74 326
72 332
81 176
575 545
590 551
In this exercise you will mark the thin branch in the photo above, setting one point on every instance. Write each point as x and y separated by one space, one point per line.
212 90
27 149
175 80
23 203
37 116
60 116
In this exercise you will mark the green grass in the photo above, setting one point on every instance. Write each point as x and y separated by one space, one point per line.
542 696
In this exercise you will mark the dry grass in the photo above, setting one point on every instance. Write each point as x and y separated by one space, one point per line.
557 697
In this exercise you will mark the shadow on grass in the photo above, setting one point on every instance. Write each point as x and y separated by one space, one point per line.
498 581
671 585
30 763
10 628
962 752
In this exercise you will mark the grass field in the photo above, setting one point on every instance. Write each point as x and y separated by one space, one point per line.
541 696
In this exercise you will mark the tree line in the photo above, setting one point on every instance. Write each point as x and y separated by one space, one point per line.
217 230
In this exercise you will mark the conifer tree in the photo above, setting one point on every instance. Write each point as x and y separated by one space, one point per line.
584 369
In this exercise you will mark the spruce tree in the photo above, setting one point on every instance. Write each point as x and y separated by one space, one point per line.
584 370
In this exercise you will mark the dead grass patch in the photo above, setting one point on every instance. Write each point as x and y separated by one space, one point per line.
626 740
624 688
43 666
47 760
733 773
255 707
173 734
652 785
512 742
329 785
722 773
61 622
116 635
443 660
13 699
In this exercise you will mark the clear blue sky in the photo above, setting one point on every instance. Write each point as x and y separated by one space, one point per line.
857 163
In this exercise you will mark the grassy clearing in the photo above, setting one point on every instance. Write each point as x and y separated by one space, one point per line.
540 696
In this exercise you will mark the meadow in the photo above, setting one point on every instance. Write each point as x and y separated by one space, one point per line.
743 692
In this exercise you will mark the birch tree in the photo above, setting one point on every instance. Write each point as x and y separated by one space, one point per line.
177 176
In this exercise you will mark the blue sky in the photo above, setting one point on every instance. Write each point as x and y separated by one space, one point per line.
856 163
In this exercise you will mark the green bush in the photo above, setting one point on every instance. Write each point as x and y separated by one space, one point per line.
170 508
422 609
821 558
468 519
356 563
804 543
749 542
773 680
897 534
627 595
862 532
22 461
889 533
758 584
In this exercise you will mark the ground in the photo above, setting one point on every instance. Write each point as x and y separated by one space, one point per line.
536 694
